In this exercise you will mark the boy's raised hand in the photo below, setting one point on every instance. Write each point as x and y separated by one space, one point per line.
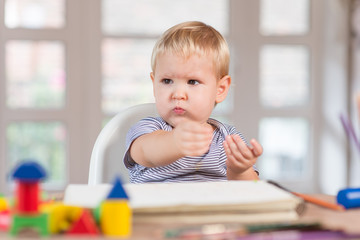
193 138
241 157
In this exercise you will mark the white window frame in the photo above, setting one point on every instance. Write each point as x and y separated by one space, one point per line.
83 116
323 120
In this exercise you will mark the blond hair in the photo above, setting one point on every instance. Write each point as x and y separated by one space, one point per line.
194 37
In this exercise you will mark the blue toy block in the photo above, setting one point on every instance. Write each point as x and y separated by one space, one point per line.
28 171
349 197
117 192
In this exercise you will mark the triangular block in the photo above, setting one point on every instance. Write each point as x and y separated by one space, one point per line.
117 192
84 225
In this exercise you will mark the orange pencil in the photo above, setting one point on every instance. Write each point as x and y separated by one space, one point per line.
320 202
311 199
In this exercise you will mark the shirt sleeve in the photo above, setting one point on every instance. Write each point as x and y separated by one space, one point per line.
144 126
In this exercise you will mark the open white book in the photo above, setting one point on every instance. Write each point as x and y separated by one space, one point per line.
226 201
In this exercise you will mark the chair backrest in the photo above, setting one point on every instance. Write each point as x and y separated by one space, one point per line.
107 156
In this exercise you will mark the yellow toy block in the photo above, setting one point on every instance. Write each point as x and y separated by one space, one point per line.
61 216
116 218
3 204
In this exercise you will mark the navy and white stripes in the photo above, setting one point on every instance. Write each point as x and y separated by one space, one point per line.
209 167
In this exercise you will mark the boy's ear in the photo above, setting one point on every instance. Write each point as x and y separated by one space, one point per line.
152 76
223 87
152 79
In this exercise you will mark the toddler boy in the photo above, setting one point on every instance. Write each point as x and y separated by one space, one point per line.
190 65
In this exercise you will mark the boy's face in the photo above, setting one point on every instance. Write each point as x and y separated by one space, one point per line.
187 88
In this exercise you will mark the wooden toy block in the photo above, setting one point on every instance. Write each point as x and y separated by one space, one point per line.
5 220
29 170
85 224
96 213
38 222
61 216
117 192
3 203
27 197
116 218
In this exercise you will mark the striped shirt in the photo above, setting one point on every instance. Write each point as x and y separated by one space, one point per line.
209 167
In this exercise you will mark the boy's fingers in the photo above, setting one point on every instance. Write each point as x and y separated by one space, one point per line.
230 157
243 147
257 148
232 147
227 150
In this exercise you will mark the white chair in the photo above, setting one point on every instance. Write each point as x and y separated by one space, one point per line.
107 156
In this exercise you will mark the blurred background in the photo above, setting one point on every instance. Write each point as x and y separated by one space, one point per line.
67 67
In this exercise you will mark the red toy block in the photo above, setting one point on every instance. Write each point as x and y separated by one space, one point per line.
27 197
5 220
85 224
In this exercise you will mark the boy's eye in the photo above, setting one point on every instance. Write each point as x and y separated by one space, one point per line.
193 82
167 81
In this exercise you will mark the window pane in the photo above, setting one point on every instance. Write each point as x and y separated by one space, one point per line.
43 141
286 147
35 74
153 17
284 17
34 14
284 76
126 73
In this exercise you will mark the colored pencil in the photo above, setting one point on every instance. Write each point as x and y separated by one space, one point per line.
312 199
350 131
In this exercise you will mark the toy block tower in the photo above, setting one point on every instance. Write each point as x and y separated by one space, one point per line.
26 210
116 215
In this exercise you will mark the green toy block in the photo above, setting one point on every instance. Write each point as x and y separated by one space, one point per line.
39 222
97 213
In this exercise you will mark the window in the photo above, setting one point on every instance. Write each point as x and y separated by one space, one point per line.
127 45
289 88
35 84
41 83
278 17
71 65
42 117
284 82
34 14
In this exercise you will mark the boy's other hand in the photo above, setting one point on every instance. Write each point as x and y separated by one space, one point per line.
193 138
240 156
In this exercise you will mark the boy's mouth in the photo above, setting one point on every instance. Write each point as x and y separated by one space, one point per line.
178 110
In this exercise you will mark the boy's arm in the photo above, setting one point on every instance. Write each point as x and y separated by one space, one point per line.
249 174
241 158
154 149
161 148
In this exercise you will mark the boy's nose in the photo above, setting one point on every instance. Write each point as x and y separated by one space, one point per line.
179 94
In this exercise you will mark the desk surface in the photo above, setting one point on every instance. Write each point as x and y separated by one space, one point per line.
348 221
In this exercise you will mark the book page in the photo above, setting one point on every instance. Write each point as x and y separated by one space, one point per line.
154 195
163 195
